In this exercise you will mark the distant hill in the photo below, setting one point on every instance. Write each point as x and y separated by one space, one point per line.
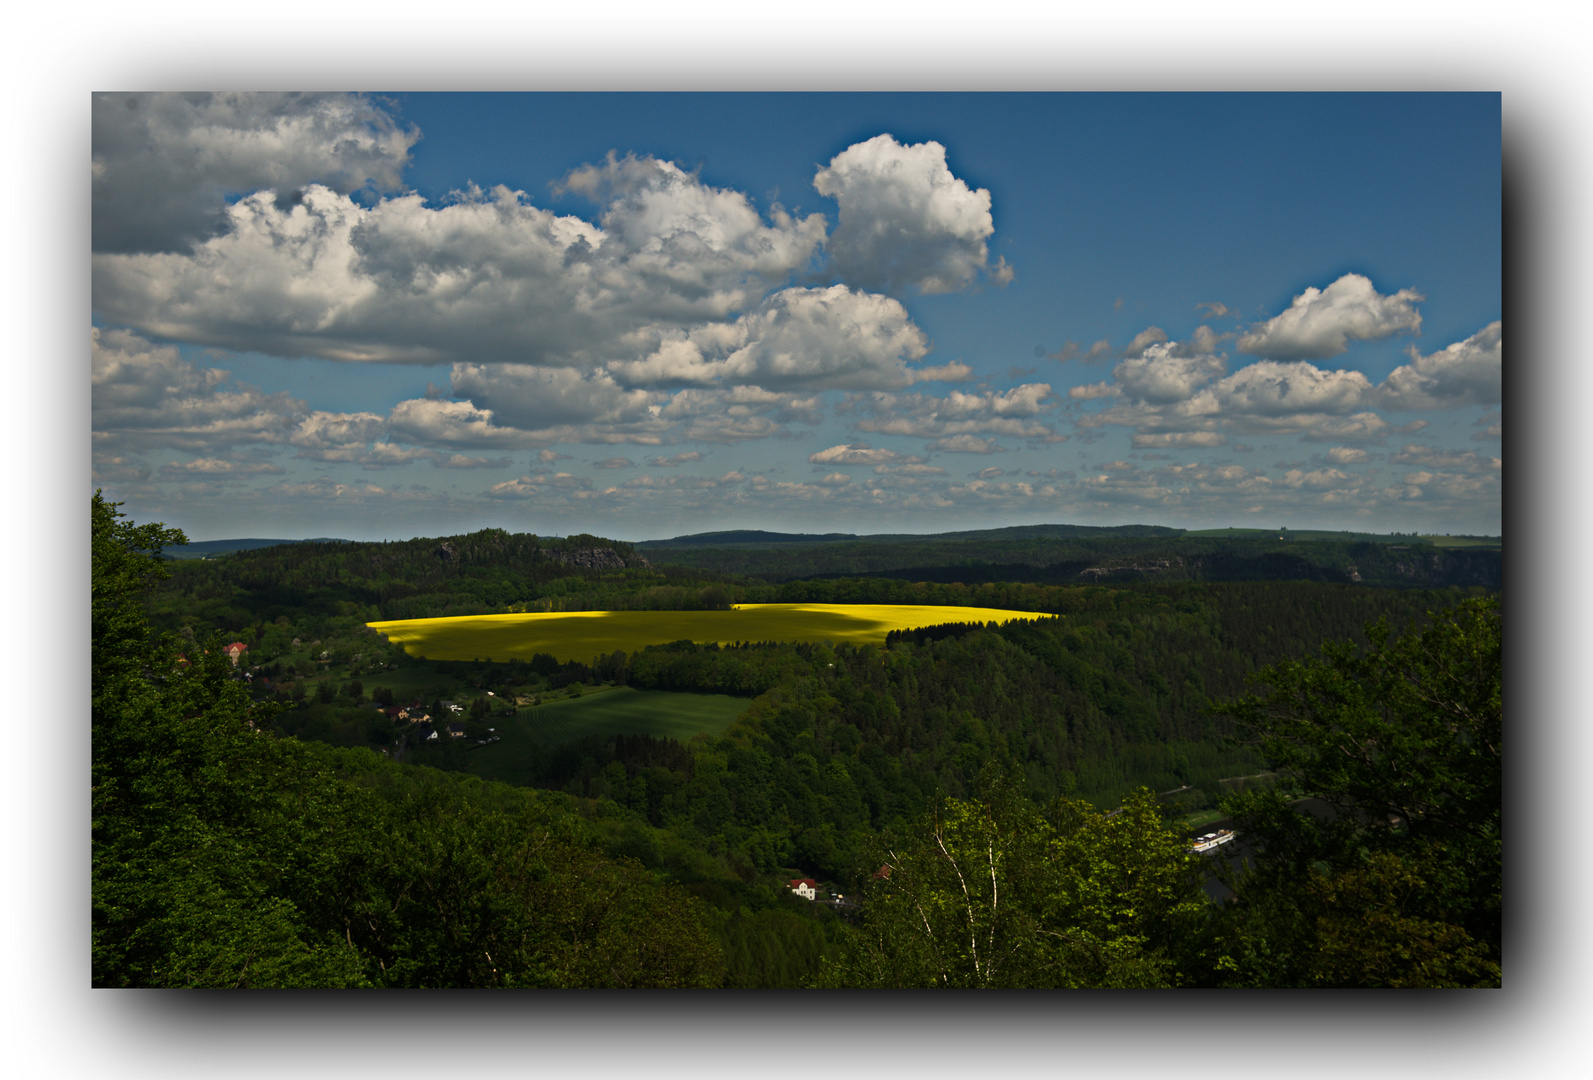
746 536
763 538
760 538
1050 532
205 549
1078 554
503 567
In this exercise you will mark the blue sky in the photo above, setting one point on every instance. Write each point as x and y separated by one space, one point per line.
387 315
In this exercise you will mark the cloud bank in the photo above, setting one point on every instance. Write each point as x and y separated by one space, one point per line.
164 164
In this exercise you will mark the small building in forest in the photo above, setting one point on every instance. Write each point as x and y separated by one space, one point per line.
806 887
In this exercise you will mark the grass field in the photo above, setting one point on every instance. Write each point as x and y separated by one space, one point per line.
582 635
618 710
1465 541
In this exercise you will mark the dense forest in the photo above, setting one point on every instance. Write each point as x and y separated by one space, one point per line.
1047 735
493 570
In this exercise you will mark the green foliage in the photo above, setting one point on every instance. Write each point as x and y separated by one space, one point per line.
1399 882
778 946
125 565
473 895
224 856
227 855
994 893
195 813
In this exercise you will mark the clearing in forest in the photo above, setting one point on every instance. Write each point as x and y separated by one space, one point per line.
620 710
583 635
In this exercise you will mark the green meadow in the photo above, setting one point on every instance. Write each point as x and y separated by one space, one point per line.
583 635
617 710
1465 541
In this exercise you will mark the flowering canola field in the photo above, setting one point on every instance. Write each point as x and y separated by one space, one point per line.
582 635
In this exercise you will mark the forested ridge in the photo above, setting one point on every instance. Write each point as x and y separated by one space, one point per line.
493 570
458 575
1049 555
1117 685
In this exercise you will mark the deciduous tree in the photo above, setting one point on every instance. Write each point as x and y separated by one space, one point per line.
996 893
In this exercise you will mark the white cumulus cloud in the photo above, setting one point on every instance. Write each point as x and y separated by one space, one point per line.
1469 372
854 454
905 220
1179 394
1017 412
1272 389
1162 373
453 423
1151 335
1321 322
487 277
811 338
320 432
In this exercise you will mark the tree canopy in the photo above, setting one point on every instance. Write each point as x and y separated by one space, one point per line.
1397 879
994 892
226 856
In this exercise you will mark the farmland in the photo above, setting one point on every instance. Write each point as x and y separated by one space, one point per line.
582 635
615 710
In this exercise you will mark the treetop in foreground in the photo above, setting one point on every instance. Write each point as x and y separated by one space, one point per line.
1397 879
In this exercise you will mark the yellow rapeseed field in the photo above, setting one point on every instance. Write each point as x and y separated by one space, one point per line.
582 635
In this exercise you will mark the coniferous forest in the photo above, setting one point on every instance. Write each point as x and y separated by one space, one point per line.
979 806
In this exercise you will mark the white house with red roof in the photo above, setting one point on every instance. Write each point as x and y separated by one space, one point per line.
235 650
805 887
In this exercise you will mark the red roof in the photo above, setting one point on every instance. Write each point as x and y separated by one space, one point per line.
240 646
803 881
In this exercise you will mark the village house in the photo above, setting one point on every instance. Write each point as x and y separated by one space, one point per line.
235 650
806 887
